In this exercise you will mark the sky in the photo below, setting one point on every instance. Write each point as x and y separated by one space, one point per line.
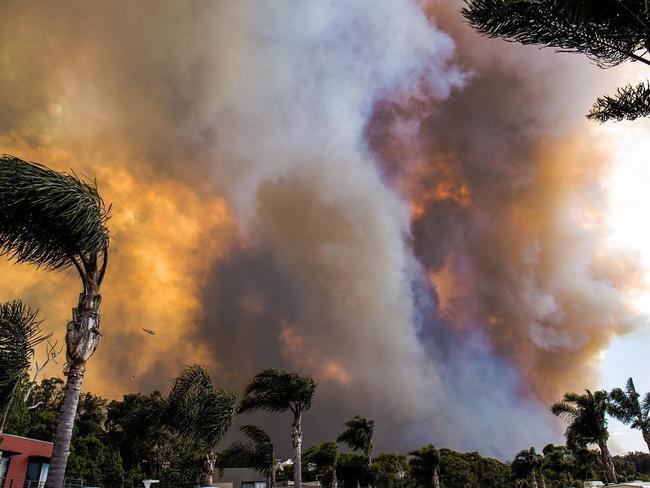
367 192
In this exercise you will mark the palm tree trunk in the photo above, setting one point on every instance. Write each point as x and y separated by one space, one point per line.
608 463
435 480
646 437
61 450
296 444
208 470
82 338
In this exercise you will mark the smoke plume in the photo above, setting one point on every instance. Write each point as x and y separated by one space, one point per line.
361 191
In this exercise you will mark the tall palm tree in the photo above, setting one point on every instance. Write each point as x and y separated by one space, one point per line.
425 466
258 453
280 391
608 32
358 434
19 333
587 424
525 466
58 221
201 413
628 407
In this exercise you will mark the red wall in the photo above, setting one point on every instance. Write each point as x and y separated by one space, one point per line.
20 449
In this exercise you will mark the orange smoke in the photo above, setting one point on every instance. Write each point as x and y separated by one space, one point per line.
306 357
165 238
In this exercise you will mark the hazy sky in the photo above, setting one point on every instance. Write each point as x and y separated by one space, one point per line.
364 191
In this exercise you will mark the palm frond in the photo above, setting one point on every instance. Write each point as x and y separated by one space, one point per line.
629 103
278 391
217 411
49 218
19 334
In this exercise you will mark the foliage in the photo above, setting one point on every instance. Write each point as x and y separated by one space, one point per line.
352 470
257 452
358 434
49 218
608 32
19 334
586 416
628 407
199 411
278 391
424 462
391 470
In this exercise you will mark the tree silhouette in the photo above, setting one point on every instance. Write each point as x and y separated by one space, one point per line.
58 221
608 32
587 424
280 391
628 407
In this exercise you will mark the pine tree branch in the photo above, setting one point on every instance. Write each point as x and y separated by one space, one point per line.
629 103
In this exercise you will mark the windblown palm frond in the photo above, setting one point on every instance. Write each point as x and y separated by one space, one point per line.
277 391
627 406
358 434
586 417
629 102
19 334
257 453
49 218
198 410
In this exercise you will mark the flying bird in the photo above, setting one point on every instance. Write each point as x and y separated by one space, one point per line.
149 331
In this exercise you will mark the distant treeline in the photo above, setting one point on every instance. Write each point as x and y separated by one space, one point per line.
118 443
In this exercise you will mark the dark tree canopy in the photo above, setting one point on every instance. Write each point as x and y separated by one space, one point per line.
628 407
257 452
358 434
278 391
49 218
608 32
586 416
424 462
197 409
19 334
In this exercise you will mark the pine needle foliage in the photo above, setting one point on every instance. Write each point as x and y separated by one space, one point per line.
608 32
629 103
48 218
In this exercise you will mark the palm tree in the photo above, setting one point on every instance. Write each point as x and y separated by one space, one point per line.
58 221
587 425
19 333
358 434
201 413
280 391
608 32
525 466
258 453
425 466
627 407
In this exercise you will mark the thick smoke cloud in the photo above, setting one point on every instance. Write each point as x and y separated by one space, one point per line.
328 187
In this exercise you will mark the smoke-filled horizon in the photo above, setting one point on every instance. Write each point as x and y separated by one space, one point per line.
366 192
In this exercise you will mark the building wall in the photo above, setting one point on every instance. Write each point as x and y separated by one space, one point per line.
20 451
